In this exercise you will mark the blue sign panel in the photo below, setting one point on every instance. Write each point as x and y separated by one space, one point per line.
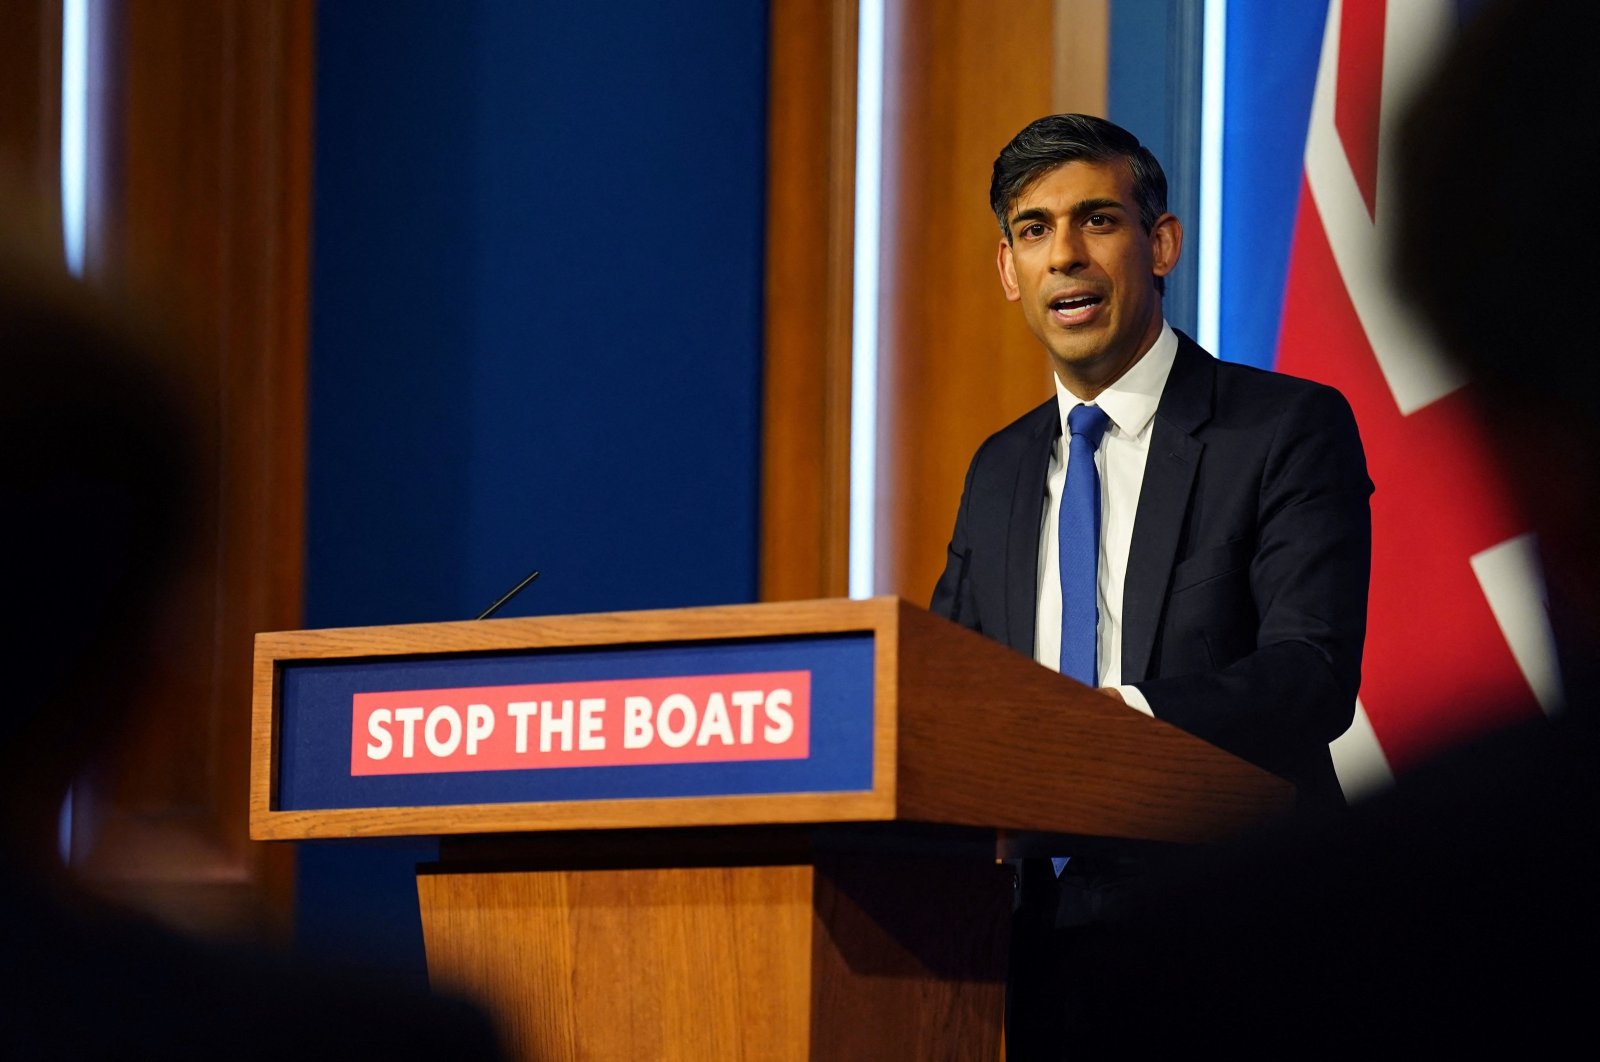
336 750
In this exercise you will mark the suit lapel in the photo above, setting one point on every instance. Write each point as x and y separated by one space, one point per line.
1169 474
1022 535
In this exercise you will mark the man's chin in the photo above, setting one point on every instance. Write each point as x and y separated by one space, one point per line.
1090 368
1087 361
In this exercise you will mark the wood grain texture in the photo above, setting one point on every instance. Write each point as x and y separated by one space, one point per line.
664 964
30 117
844 956
205 220
805 492
957 361
825 939
1082 56
989 737
909 959
572 815
966 732
643 627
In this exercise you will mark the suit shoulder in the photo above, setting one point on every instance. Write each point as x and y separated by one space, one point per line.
1251 392
1239 375
1269 384
1039 422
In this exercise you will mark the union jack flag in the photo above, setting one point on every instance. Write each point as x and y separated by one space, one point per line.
1458 638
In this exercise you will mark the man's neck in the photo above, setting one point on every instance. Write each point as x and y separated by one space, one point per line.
1088 387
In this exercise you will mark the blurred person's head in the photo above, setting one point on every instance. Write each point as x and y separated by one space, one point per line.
1493 248
98 482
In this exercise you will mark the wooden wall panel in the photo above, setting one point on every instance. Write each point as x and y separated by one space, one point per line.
30 117
1083 56
957 361
811 130
206 217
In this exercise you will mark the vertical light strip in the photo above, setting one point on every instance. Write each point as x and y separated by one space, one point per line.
1212 93
864 301
74 212
74 125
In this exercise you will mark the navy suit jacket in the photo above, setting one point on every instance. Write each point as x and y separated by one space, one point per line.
1245 601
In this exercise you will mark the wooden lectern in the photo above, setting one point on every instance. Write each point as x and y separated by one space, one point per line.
744 832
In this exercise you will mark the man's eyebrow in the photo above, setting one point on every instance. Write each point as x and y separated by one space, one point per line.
1078 209
1031 214
1090 206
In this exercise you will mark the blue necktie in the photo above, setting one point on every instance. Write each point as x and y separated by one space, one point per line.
1079 546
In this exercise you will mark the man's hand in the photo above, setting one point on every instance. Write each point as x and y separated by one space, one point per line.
1112 692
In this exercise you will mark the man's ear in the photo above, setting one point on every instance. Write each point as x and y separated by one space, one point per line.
1166 244
1008 272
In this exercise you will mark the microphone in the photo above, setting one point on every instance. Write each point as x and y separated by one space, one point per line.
509 594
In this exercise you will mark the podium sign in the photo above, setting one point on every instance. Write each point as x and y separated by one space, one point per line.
710 719
634 806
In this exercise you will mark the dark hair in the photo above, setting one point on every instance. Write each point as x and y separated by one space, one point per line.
1061 138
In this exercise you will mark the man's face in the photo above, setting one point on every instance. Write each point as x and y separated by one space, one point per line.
1085 270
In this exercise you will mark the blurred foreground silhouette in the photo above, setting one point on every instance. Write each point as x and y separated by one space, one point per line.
102 489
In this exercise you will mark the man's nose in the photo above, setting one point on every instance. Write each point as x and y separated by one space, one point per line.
1067 252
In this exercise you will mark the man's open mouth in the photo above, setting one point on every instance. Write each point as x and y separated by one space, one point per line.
1070 308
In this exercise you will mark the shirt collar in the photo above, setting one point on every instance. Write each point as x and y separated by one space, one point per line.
1131 401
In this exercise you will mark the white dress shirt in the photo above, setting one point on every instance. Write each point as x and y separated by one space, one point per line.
1130 403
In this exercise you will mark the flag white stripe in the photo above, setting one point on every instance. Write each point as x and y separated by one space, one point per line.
1513 581
1359 760
1415 370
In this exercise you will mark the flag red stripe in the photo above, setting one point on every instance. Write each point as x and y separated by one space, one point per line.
1356 107
1437 666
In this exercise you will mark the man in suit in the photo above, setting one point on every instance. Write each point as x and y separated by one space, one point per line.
1452 914
1220 582
1237 603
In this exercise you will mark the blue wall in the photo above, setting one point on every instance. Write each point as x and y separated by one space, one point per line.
1273 51
536 336
1153 91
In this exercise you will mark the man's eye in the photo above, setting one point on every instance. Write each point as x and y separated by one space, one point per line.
1033 230
1099 221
